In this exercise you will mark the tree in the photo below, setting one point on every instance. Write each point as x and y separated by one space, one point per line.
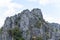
16 33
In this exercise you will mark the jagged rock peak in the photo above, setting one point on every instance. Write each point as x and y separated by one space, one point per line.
32 25
35 11
24 21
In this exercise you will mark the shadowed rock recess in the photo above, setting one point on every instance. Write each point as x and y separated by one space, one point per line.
32 27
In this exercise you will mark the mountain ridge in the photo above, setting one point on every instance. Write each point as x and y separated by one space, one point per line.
32 25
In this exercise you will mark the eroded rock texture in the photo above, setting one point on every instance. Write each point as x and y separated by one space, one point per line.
33 26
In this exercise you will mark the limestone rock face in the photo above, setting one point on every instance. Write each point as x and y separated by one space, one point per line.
32 24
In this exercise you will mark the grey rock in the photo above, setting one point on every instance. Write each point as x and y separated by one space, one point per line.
32 24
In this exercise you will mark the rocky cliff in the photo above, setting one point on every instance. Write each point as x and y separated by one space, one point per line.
32 25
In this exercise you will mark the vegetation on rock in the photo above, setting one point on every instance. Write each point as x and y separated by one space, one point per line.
16 34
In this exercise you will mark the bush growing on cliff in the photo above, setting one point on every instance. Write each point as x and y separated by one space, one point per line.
16 34
1 30
39 38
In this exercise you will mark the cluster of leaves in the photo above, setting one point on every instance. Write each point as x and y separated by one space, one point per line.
38 24
47 35
16 34
1 30
37 38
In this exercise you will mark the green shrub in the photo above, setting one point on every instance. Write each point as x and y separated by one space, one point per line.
16 33
38 24
0 30
39 38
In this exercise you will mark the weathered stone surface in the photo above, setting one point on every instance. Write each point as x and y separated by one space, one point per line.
32 24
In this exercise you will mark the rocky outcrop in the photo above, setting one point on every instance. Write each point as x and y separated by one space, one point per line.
33 26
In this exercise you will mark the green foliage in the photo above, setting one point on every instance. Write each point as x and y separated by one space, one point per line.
27 32
47 35
16 34
39 38
38 24
56 30
0 30
17 21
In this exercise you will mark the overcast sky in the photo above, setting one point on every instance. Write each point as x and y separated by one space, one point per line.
50 8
